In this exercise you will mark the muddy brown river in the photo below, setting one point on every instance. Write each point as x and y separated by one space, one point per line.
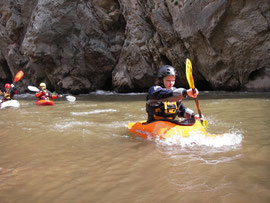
81 152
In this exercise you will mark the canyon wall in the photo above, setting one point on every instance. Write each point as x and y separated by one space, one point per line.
79 46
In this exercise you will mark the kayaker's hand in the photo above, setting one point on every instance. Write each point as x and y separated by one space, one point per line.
191 94
198 117
12 86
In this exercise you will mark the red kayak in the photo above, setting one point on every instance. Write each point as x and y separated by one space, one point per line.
45 102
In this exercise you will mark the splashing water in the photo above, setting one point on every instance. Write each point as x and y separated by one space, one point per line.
209 140
232 138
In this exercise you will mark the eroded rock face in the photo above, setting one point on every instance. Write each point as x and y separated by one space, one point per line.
79 46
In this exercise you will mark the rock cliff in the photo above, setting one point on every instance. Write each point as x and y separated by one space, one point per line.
79 46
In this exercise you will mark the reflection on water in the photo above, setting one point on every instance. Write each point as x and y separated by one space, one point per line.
82 152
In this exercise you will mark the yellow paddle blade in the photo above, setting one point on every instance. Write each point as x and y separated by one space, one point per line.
192 86
205 123
189 74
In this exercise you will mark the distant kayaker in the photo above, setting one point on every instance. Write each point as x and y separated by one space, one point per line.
45 94
164 101
8 93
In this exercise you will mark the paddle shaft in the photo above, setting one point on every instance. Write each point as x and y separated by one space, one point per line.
197 104
17 77
192 86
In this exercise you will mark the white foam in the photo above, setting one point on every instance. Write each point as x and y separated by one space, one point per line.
197 139
220 160
102 92
115 124
25 95
97 111
64 125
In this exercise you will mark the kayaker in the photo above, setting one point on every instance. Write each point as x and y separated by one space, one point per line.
8 93
45 94
164 101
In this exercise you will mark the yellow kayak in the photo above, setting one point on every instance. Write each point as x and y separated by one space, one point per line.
166 129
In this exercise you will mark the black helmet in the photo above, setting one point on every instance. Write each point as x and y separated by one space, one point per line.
166 70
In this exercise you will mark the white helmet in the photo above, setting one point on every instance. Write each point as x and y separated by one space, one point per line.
42 85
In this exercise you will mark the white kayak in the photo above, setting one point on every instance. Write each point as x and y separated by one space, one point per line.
10 103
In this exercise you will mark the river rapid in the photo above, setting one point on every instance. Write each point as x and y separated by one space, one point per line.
82 152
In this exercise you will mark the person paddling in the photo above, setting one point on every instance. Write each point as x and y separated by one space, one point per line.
8 93
45 94
164 101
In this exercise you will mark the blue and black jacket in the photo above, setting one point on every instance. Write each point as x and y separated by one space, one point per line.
157 109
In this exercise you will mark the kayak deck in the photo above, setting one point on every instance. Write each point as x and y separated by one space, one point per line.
45 102
10 103
165 129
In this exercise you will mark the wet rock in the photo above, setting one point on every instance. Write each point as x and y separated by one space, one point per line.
81 46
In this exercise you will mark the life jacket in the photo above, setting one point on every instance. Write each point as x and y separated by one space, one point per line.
168 110
7 96
45 95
